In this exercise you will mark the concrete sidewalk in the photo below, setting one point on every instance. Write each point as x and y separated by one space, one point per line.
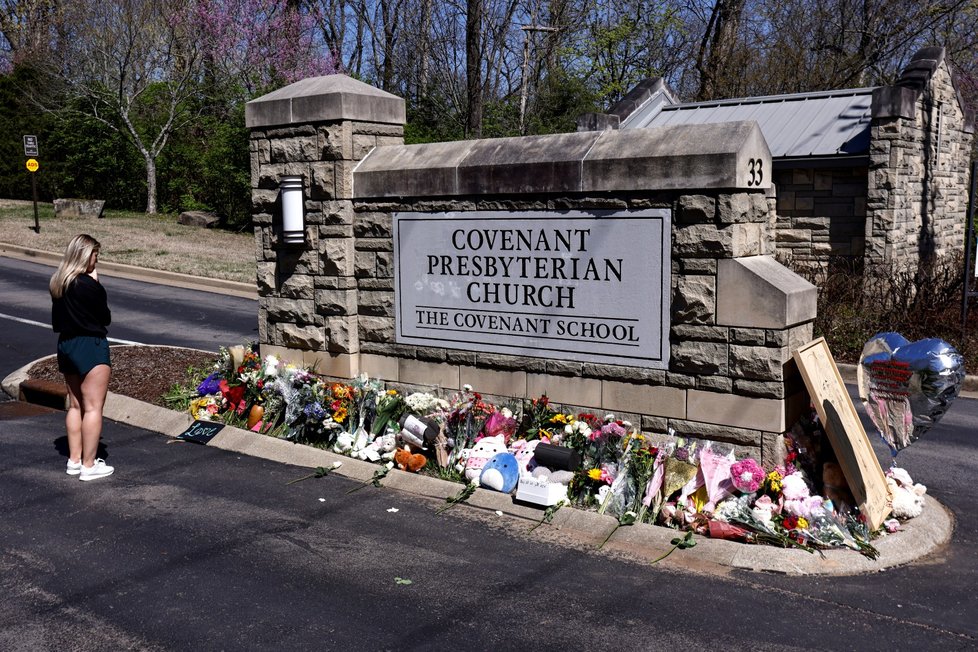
644 543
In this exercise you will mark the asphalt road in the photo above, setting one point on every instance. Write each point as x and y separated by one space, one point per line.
188 547
141 312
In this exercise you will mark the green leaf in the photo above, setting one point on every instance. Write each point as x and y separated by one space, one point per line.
460 497
548 514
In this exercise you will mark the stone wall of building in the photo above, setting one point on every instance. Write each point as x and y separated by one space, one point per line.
821 214
736 314
921 138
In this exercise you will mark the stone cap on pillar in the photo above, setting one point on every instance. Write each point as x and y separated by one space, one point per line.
729 155
322 99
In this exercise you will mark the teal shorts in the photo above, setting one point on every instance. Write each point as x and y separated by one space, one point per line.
82 353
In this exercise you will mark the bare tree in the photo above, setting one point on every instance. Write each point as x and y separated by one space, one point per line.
132 67
785 46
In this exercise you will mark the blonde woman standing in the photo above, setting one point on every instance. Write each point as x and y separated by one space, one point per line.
80 314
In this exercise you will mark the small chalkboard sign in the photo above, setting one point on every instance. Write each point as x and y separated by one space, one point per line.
200 432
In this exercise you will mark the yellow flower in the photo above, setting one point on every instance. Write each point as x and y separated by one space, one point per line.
558 418
802 523
594 474
774 480
339 415
198 405
392 392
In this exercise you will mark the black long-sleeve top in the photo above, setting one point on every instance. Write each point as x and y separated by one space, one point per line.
83 309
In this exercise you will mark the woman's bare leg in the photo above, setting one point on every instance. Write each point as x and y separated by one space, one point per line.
73 417
94 386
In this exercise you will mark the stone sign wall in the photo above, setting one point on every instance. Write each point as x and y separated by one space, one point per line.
730 314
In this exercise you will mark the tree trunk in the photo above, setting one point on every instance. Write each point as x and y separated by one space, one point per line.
473 68
150 184
389 14
425 48
716 47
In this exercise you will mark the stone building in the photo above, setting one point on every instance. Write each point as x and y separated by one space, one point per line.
871 176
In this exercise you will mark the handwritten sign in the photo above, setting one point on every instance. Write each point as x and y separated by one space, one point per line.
201 432
890 379
591 286
845 431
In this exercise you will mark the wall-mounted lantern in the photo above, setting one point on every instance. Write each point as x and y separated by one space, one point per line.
293 215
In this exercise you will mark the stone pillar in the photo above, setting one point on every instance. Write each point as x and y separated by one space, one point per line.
921 136
319 129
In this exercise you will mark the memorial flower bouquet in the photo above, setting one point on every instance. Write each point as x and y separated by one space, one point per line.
424 403
500 422
538 415
466 415
390 406
307 401
205 408
641 467
341 405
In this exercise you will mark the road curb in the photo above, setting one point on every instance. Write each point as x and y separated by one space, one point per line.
641 543
131 272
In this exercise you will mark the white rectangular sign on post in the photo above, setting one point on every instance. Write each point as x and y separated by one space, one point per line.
30 146
589 286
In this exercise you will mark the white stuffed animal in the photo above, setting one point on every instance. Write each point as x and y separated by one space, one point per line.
381 448
344 443
908 498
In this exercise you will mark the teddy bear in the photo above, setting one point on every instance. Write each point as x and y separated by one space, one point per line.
908 498
483 451
344 443
381 448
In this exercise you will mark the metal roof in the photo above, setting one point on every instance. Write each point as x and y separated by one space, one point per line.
800 125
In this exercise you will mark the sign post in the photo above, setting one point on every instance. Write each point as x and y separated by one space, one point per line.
30 151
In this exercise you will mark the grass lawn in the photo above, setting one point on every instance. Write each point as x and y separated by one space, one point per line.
154 241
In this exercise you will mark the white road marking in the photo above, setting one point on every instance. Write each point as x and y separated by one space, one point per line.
31 322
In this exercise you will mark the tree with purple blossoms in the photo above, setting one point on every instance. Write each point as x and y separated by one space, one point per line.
149 68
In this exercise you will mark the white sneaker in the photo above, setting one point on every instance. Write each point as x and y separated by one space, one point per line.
98 470
74 468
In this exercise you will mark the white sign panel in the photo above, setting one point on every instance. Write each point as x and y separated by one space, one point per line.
590 286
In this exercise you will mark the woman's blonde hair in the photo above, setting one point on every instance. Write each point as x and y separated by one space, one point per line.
78 253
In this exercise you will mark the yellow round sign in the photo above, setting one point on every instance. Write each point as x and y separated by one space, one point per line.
32 165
